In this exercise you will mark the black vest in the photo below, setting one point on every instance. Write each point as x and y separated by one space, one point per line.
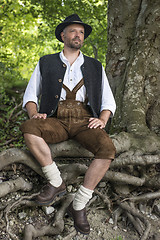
53 69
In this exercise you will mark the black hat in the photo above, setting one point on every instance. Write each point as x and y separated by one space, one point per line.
72 19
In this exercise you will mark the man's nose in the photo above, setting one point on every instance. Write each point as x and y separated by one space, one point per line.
77 34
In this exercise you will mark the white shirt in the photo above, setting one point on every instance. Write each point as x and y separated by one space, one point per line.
72 76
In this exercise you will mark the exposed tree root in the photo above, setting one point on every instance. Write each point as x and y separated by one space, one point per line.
124 178
116 214
135 213
14 155
127 172
12 206
143 143
144 197
135 223
52 230
104 198
14 185
11 156
135 160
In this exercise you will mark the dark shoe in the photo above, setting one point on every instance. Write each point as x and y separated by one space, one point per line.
48 194
80 219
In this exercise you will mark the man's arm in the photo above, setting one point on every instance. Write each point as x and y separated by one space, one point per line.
101 121
33 89
32 111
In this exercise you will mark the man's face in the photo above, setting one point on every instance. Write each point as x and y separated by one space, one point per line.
73 36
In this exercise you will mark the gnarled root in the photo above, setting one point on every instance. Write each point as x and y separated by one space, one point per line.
22 201
53 229
14 185
128 172
133 213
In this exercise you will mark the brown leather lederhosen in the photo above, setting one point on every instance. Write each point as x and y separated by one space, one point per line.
71 121
72 110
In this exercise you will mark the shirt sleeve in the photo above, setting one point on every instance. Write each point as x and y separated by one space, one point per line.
108 101
33 90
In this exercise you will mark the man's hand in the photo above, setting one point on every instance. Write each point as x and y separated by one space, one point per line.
39 115
101 121
96 122
32 111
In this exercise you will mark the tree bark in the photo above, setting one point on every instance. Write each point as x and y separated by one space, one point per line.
133 63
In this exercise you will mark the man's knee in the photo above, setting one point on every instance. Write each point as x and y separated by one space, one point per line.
106 151
31 138
103 162
28 136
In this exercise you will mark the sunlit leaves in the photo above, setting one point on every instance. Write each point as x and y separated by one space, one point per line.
27 32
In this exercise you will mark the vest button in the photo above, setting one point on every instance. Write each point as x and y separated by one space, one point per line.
59 80
56 96
64 65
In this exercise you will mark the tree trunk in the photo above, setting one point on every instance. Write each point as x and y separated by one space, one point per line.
133 63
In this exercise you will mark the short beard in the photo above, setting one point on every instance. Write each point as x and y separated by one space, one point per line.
73 45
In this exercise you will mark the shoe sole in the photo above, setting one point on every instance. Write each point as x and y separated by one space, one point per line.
52 200
77 229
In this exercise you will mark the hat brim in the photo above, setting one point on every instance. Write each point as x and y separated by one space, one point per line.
62 26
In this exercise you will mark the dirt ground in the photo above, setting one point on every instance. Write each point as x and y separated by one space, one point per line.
101 221
98 218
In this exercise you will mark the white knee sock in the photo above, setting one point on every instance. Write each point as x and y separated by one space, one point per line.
82 197
52 174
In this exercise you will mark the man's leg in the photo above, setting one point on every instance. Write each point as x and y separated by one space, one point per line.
40 150
77 209
96 172
98 142
93 176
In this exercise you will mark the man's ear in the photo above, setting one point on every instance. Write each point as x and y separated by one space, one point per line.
62 36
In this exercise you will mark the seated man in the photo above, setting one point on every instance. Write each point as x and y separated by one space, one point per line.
75 103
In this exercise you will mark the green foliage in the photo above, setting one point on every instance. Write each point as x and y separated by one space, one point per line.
27 31
93 12
18 31
11 118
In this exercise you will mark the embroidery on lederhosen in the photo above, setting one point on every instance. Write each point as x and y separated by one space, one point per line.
70 108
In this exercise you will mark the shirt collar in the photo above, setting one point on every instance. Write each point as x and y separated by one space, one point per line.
79 60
